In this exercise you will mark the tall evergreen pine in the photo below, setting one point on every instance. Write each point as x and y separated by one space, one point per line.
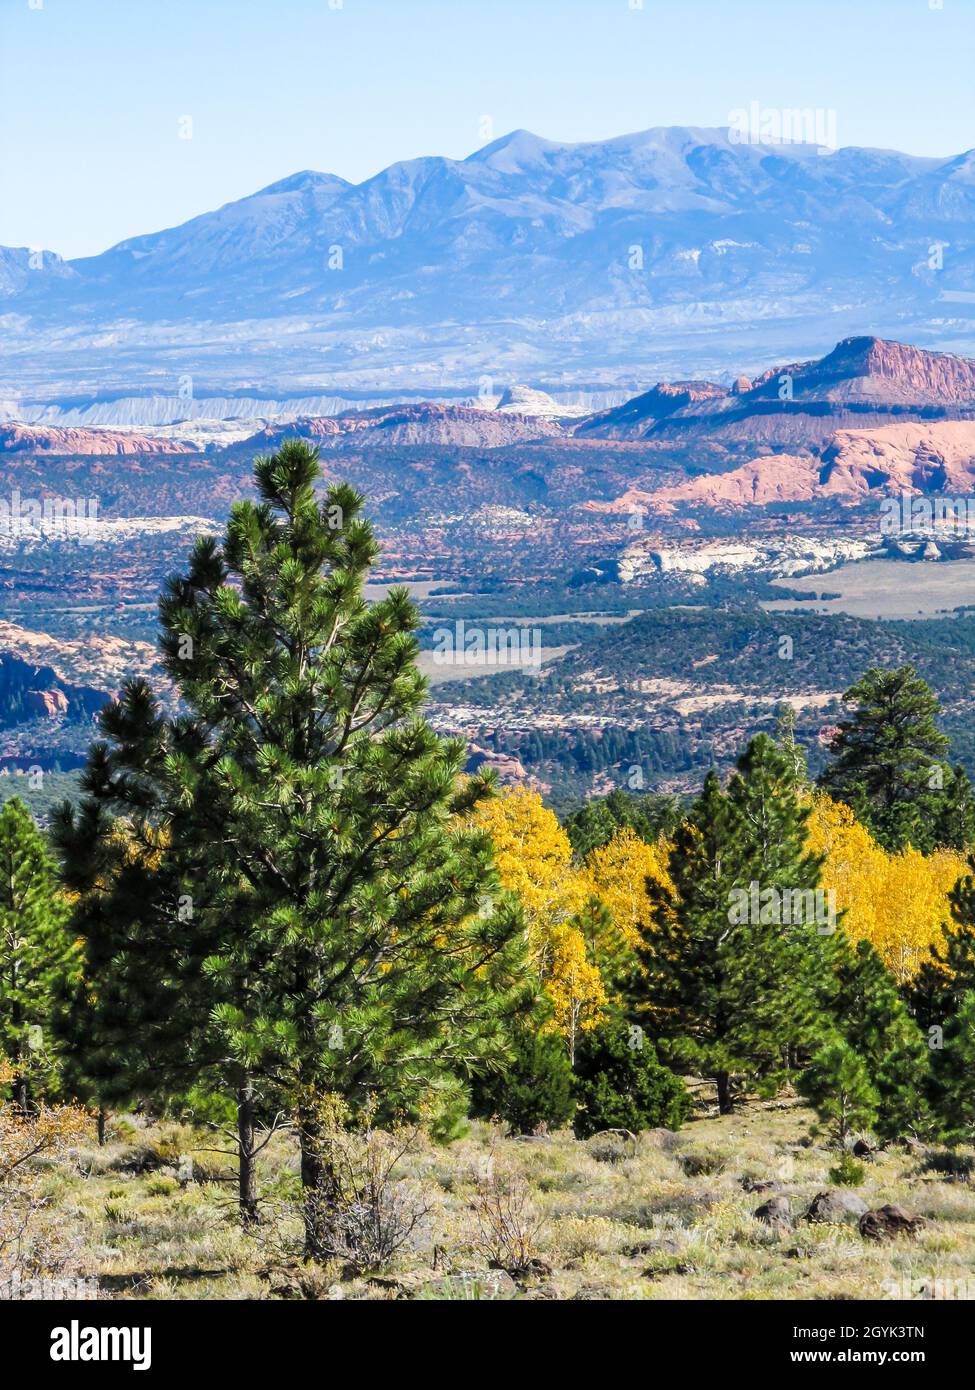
136 1027
730 983
768 793
39 958
324 920
888 765
954 1091
942 982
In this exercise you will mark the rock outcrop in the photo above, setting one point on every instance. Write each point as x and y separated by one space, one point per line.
427 423
30 691
838 1206
68 441
884 460
772 555
777 1213
877 369
46 704
862 382
639 417
95 663
527 400
510 770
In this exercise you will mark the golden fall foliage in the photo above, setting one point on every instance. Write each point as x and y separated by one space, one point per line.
618 874
897 902
28 1144
575 951
534 859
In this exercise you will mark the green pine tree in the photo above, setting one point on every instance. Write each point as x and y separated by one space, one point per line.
837 1085
786 739
949 975
535 1090
954 823
620 1084
875 1022
39 958
133 1029
888 764
767 795
332 928
595 824
730 969
955 1075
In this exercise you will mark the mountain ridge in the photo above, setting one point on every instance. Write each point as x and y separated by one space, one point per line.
673 248
863 381
863 378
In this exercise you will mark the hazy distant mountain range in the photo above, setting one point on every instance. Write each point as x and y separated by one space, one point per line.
582 268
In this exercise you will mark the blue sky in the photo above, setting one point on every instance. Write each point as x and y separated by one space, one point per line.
92 92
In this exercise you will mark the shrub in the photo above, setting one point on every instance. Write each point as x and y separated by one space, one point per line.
362 1214
699 1163
374 1220
619 1086
162 1187
29 1248
611 1146
950 1163
848 1172
508 1226
536 1092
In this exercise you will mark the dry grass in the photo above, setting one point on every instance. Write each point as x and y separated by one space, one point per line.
659 1218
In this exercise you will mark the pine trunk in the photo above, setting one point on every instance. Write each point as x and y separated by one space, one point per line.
22 1095
247 1170
102 1117
725 1103
318 1187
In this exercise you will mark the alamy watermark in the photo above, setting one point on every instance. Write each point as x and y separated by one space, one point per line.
49 518
929 1287
47 1288
783 125
906 515
77 1343
462 645
783 907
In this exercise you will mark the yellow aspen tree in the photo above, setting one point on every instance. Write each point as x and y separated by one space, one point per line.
534 859
897 902
913 908
618 875
573 984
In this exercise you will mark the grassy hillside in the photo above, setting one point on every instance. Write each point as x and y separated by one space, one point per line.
662 1217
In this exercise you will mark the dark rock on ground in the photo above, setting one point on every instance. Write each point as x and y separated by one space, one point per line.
889 1222
776 1212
